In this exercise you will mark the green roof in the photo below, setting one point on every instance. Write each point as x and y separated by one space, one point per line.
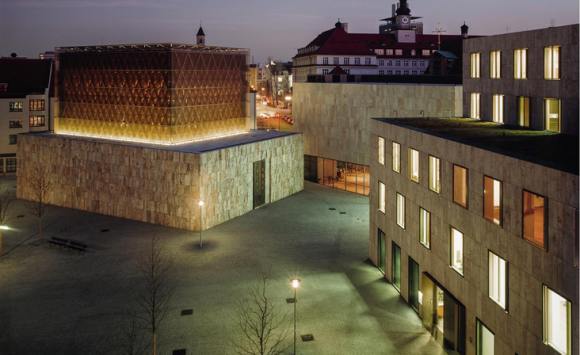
557 151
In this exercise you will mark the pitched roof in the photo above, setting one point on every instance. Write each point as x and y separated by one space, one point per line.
200 31
338 41
24 76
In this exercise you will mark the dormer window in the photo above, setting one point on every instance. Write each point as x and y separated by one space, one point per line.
398 52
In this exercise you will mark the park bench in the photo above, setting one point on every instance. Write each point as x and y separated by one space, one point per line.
67 243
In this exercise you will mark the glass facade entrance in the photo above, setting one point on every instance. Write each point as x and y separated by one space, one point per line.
337 174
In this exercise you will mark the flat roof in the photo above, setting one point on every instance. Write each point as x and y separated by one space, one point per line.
148 47
199 147
557 151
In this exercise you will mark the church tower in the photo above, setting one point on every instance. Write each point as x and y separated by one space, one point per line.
200 37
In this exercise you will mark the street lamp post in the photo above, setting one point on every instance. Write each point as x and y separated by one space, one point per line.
200 204
295 283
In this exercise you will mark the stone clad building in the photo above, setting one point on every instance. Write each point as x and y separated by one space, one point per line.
149 131
475 220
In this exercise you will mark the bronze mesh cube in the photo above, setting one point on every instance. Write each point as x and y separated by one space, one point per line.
158 93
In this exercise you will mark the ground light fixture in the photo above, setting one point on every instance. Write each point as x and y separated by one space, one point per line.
4 228
200 204
295 283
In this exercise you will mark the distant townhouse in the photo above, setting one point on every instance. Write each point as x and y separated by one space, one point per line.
24 104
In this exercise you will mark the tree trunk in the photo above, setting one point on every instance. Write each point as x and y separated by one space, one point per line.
154 344
1 243
40 228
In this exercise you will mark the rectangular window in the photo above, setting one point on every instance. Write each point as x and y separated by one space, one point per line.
398 52
414 165
457 250
396 266
325 60
36 120
15 124
12 139
425 228
324 71
368 61
357 61
524 111
498 108
475 65
552 63
346 61
495 64
381 62
534 217
460 185
557 321
36 105
389 52
382 199
401 210
492 200
553 109
434 174
15 106
10 165
381 152
396 157
520 63
425 52
381 72
498 280
335 61
484 340
474 109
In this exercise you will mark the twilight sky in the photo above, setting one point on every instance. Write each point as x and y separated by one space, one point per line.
268 27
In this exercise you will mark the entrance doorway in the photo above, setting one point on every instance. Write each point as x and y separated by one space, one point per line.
259 183
381 250
396 267
443 315
414 284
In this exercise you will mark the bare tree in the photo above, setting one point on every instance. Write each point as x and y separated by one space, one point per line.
40 184
153 300
130 337
6 199
263 331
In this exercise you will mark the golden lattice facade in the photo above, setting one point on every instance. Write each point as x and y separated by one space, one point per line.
157 93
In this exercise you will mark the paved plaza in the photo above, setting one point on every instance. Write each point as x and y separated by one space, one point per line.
57 301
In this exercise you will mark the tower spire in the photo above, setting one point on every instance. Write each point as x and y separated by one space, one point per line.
200 37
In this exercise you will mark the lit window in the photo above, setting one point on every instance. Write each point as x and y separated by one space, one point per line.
475 100
552 62
557 322
534 217
379 51
485 340
398 52
475 65
414 165
389 52
492 200
401 210
381 152
425 52
520 63
382 194
495 64
413 52
457 250
498 280
552 107
396 157
434 174
498 108
460 185
15 124
36 120
425 228
15 106
36 105
524 111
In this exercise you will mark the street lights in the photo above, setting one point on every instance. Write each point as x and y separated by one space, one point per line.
200 204
295 283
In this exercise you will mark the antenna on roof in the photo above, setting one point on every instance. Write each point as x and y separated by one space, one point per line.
439 30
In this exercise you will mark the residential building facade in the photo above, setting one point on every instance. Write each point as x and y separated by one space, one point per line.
476 225
527 79
24 104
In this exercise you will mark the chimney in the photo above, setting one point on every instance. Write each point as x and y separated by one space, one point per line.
464 30
344 26
393 9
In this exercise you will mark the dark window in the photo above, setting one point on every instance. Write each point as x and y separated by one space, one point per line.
15 124
534 218
396 257
12 139
10 165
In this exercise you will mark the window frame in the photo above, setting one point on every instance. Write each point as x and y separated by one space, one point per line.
551 73
500 201
411 167
475 65
466 186
545 246
475 105
546 123
506 277
401 211
568 320
396 161
499 111
495 64
451 245
520 63
479 323
523 116
438 190
381 150
382 197
427 243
